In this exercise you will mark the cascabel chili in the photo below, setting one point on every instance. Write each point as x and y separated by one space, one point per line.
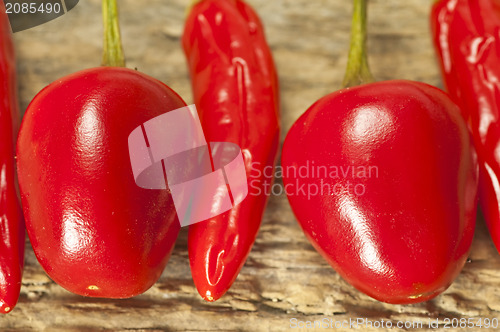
94 231
400 228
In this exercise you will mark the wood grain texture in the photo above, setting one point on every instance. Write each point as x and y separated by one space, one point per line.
284 276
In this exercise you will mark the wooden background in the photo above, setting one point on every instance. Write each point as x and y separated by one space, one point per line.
284 277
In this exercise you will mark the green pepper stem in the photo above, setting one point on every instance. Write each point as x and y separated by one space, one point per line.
358 71
190 6
113 51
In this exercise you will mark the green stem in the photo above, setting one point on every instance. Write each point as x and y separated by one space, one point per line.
190 6
113 51
358 71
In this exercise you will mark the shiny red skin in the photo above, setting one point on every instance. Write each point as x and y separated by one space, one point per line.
12 230
93 230
465 35
407 235
235 89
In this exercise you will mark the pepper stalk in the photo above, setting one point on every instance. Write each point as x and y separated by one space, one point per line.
358 71
113 50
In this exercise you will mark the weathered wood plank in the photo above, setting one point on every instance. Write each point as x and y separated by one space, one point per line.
284 277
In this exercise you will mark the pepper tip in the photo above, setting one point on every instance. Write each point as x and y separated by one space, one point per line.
5 308
208 296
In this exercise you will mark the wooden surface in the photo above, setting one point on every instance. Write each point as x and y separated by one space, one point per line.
284 277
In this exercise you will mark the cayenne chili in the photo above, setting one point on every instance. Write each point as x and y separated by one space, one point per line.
12 230
465 35
235 89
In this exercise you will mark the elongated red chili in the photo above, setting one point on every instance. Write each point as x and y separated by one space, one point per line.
466 37
12 231
235 89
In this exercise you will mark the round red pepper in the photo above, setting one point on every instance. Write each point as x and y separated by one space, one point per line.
93 230
383 180
390 197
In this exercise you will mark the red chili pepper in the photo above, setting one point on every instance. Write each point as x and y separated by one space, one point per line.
235 89
390 193
12 230
93 230
466 38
